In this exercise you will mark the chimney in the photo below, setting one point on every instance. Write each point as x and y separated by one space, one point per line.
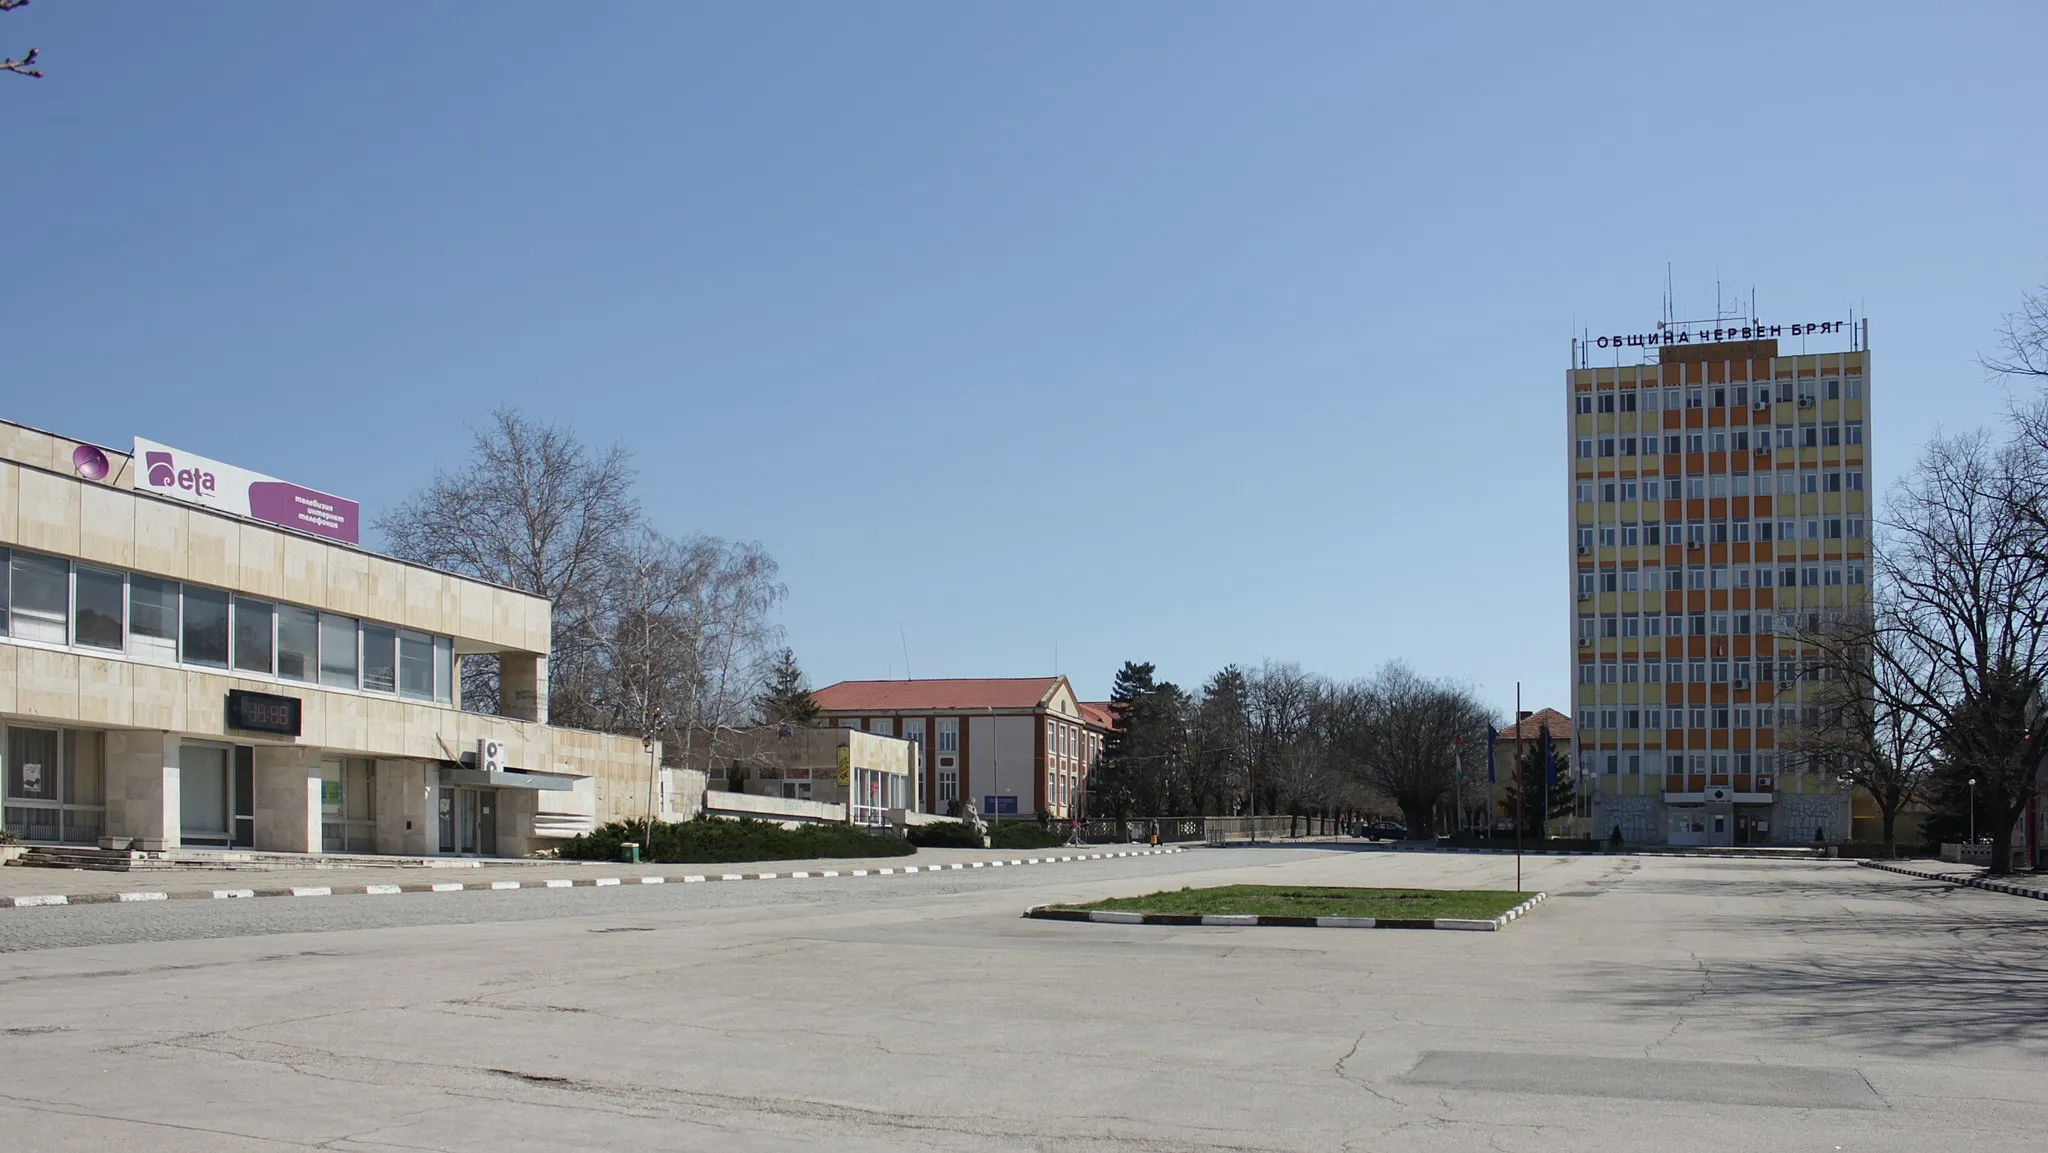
1524 715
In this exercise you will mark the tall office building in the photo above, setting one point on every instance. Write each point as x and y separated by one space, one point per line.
1719 496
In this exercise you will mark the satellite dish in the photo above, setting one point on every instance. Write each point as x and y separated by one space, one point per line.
89 462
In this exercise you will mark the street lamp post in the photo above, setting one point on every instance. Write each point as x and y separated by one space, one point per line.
1973 810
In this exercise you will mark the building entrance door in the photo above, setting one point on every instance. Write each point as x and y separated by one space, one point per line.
469 821
204 815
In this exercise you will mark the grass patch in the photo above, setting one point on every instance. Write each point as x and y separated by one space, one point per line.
1318 901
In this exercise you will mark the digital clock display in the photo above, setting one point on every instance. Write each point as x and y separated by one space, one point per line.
263 713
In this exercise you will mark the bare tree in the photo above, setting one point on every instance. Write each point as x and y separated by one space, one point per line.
1960 640
24 65
1863 679
535 510
1405 746
2023 340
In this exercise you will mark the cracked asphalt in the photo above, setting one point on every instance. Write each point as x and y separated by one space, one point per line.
1652 1003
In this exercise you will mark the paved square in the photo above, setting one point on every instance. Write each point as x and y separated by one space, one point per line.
1650 1004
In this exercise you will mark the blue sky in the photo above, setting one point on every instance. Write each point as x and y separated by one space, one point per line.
1189 333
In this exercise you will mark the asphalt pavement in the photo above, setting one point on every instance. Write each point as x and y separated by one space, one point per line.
1650 1003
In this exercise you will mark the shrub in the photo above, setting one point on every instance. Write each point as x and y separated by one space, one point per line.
708 839
951 835
1023 835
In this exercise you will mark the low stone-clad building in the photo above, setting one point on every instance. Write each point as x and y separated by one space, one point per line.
193 656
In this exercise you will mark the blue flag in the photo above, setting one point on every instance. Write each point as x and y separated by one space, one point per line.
1492 735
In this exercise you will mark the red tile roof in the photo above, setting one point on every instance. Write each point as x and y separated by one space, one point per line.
1560 726
895 696
1097 713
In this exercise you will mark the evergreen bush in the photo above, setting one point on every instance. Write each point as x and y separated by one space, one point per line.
711 839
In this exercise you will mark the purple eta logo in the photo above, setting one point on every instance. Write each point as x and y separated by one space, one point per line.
162 475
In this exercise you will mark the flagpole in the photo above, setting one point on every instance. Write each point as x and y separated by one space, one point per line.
1521 793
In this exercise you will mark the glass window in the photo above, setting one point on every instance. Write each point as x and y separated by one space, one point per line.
444 669
84 769
298 642
153 618
337 651
31 764
205 630
96 616
380 659
416 666
39 598
252 635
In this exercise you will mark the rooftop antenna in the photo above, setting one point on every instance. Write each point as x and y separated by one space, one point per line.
1667 294
905 640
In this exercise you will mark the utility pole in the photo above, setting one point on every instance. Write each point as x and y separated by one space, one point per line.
1521 791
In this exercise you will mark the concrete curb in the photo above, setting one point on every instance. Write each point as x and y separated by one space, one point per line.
1661 854
1971 882
1250 920
50 899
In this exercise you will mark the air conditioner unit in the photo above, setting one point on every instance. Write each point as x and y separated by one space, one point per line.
1585 642
1763 450
1583 550
1692 544
1806 402
1717 794
1762 405
1741 682
1585 596
490 756
1763 784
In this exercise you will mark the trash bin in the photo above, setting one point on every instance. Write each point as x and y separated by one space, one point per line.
630 852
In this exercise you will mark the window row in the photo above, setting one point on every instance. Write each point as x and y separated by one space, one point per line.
1720 395
1608 671
1655 534
1787 482
1700 578
1719 624
1657 719
1722 440
55 601
1634 764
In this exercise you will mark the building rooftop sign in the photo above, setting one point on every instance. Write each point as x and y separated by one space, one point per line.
181 475
1753 331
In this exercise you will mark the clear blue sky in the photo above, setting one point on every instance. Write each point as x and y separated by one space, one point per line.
1191 333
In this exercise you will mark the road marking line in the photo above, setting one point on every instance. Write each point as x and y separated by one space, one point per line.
829 873
766 876
693 878
1116 918
860 872
33 902
316 890
885 872
601 882
1231 919
732 876
380 890
795 875
653 880
145 896
559 883
504 884
232 894
446 887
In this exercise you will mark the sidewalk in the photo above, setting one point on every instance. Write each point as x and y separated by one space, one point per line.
1973 876
31 887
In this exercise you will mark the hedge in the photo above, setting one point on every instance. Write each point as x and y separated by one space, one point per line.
1024 835
711 839
950 835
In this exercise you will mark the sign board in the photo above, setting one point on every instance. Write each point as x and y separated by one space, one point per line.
263 712
181 475
1679 334
845 760
1000 806
32 778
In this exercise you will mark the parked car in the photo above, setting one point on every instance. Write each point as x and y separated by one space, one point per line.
1381 830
